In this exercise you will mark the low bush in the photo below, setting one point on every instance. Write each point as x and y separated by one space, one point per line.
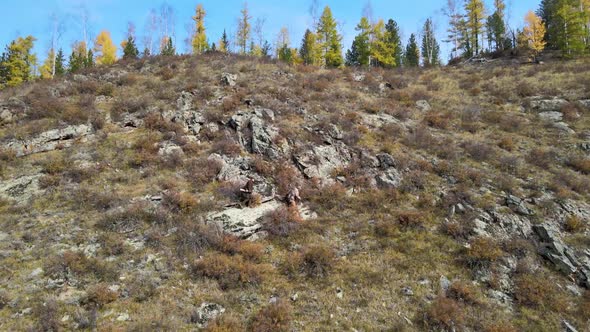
46 312
230 271
444 313
275 317
463 292
538 291
100 295
60 267
317 261
412 219
483 251
282 222
574 224
225 323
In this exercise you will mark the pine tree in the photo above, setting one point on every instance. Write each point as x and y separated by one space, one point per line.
571 34
430 47
199 41
213 47
383 51
78 57
395 40
496 27
329 40
475 10
308 51
412 56
60 63
17 63
534 33
169 48
266 48
89 60
130 50
106 50
244 28
360 54
224 43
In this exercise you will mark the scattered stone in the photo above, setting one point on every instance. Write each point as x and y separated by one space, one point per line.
358 77
389 179
339 293
229 79
320 161
444 283
21 189
36 273
206 313
407 291
563 127
423 105
386 160
518 205
123 317
295 297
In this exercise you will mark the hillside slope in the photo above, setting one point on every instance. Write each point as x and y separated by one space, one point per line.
451 198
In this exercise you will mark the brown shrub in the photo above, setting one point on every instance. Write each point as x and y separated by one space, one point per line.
282 222
100 295
196 238
179 202
317 261
202 171
483 251
46 312
538 291
43 104
225 323
463 292
155 121
226 146
438 120
444 313
500 327
142 286
571 111
127 104
4 299
251 251
80 265
457 229
412 219
479 151
507 143
230 272
571 180
580 164
542 157
276 317
166 74
574 224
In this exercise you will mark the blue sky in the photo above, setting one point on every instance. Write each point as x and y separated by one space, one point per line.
32 17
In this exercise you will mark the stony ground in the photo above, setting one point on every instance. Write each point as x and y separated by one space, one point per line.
444 199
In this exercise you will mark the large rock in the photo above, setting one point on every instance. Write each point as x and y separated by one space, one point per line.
540 104
229 79
11 110
518 205
423 105
20 189
50 140
389 179
259 138
563 127
243 223
320 161
551 116
206 313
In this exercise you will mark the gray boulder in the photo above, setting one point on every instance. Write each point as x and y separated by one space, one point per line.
206 313
540 104
390 178
423 105
386 160
229 79
551 116
518 205
21 189
563 127
320 161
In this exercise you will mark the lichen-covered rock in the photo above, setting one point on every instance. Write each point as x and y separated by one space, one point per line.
50 140
229 79
540 104
20 189
320 161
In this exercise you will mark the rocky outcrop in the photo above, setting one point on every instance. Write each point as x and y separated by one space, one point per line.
255 133
50 140
423 105
551 116
518 205
541 104
20 189
320 161
11 110
562 256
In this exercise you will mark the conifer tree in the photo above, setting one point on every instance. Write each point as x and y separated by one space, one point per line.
496 27
89 60
475 13
224 43
78 58
130 50
383 51
105 48
430 47
60 63
412 56
455 30
244 28
308 51
169 48
534 33
16 65
360 53
266 48
329 40
394 40
199 42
